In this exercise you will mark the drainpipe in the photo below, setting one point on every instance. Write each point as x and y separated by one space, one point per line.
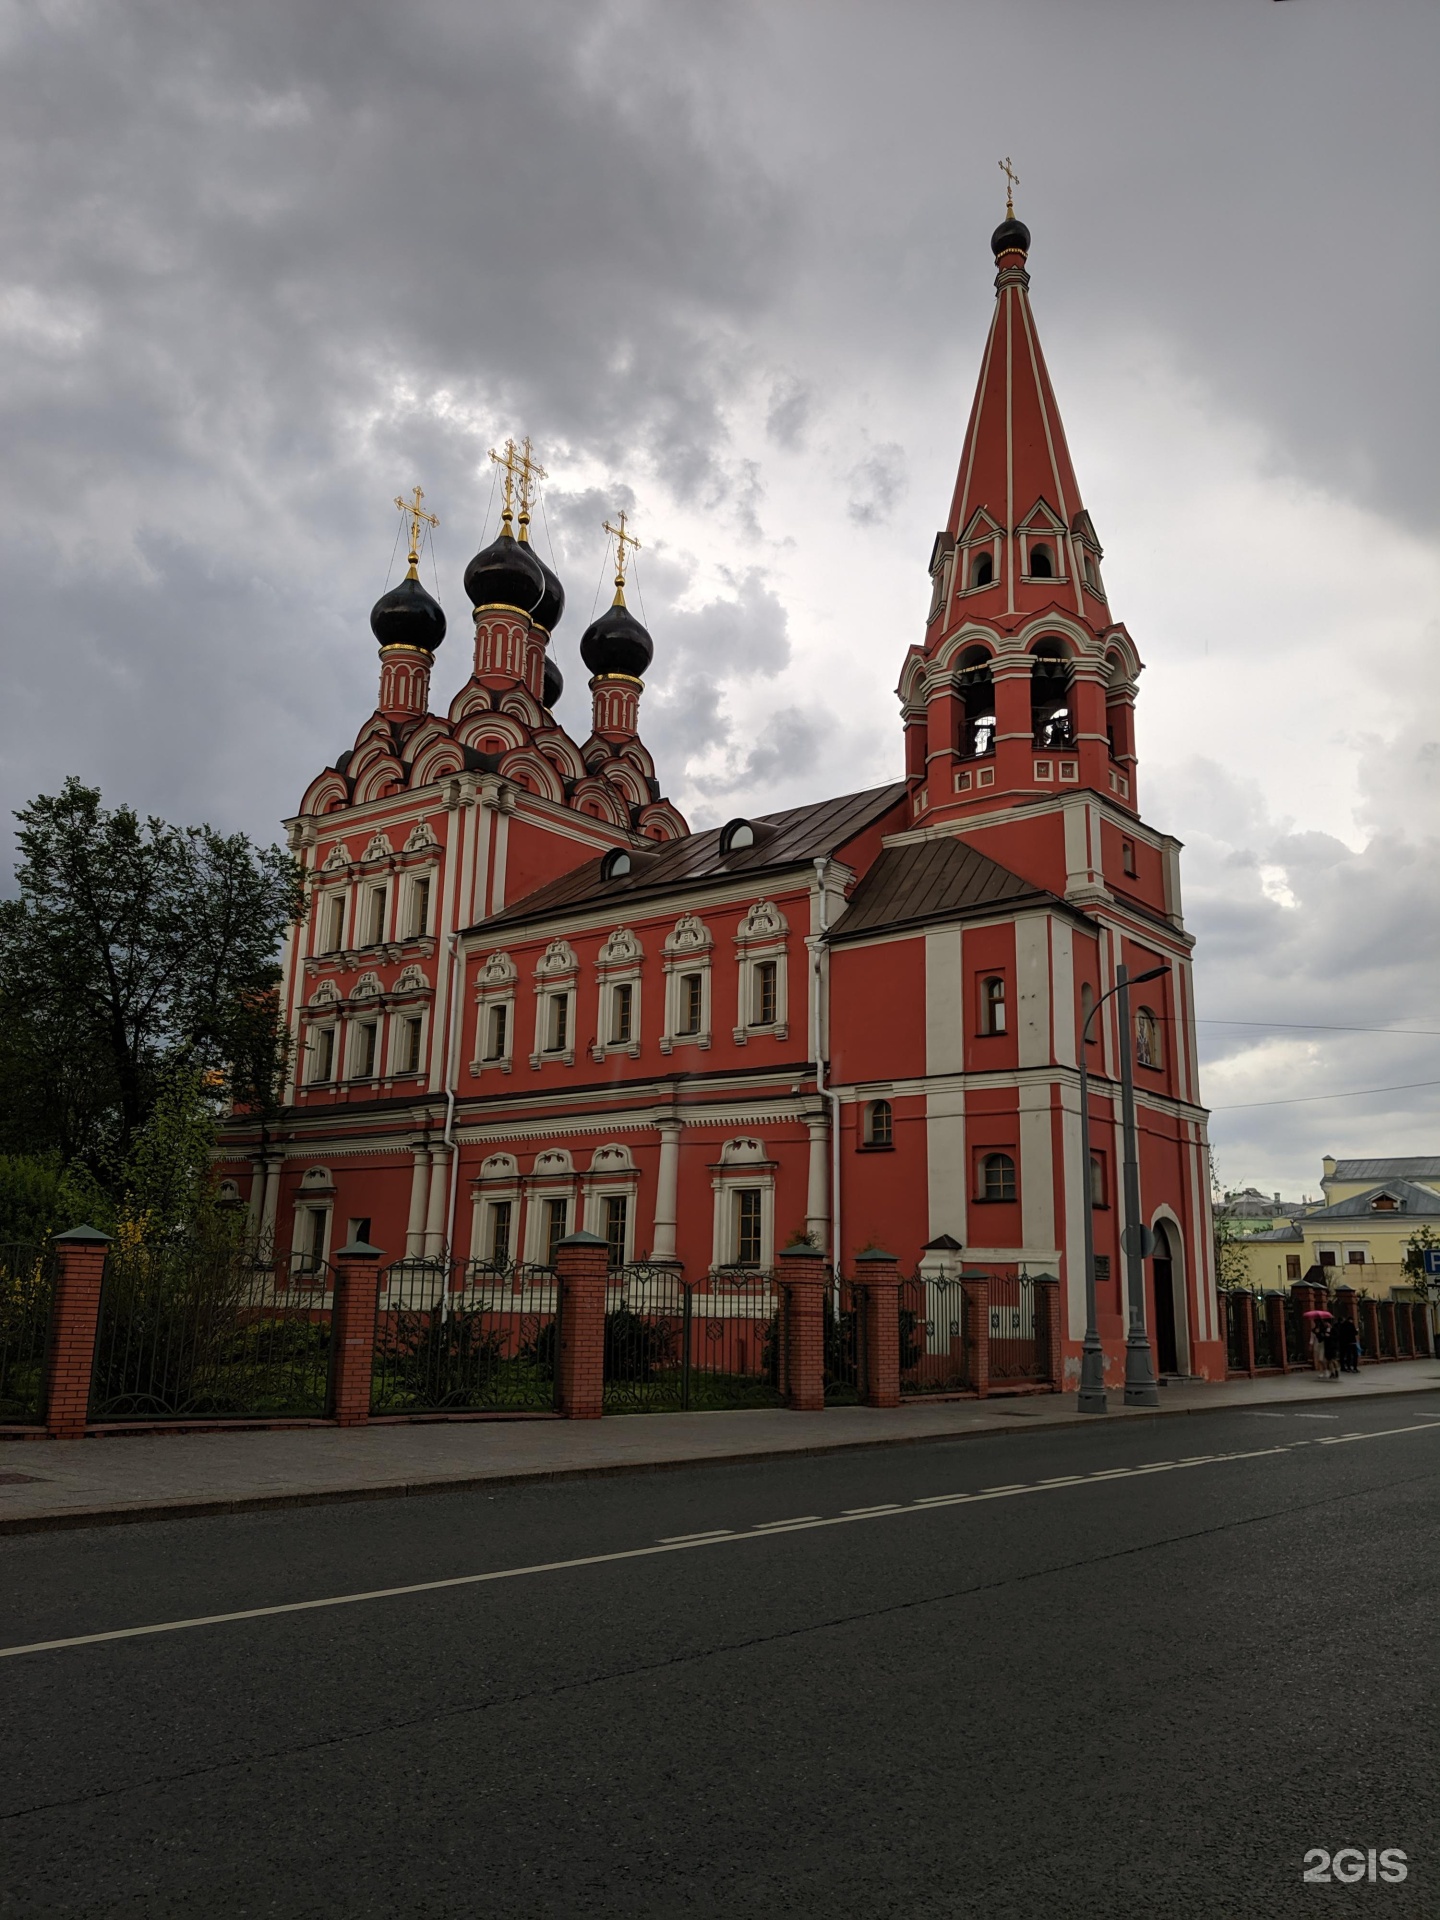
825 1092
457 980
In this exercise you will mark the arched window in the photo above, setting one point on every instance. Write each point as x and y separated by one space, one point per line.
1147 1039
879 1124
982 570
997 1177
992 1003
1042 563
1098 1196
977 690
616 864
736 835
1087 1007
1050 719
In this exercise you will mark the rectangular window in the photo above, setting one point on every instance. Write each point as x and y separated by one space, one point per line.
324 1044
1353 1259
374 916
1292 1266
992 1004
499 1249
499 1032
1327 1258
1127 856
332 922
312 1239
1097 1180
622 1000
410 1044
692 1002
419 907
557 1212
747 1227
617 1210
365 1037
558 1024
766 997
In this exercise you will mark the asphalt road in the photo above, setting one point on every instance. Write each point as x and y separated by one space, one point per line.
1143 1693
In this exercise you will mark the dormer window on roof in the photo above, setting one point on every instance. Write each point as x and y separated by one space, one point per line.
737 835
616 864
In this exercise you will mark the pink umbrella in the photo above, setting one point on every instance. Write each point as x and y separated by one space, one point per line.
1319 1313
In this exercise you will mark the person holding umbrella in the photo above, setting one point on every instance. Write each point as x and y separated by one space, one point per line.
1319 1318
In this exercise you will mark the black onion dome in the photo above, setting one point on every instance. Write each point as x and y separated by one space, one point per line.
506 574
554 684
617 643
1011 233
552 604
407 616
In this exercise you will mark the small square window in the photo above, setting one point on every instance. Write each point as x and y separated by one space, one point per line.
1069 770
1044 770
962 783
985 777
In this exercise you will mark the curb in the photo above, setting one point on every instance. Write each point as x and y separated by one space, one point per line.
72 1519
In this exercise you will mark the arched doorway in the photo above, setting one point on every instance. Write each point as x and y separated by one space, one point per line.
1168 1324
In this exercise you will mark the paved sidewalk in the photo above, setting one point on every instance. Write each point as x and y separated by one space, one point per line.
104 1481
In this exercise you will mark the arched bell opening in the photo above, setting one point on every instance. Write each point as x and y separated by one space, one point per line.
977 693
1052 718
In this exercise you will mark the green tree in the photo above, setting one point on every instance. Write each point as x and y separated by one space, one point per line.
133 950
1419 1242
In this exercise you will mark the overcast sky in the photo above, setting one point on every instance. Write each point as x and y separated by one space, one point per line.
727 264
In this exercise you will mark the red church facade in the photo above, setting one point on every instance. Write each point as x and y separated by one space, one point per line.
527 1000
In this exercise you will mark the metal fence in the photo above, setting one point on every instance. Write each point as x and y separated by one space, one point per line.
936 1346
456 1337
1236 1358
191 1332
27 1289
1266 1350
844 1344
1017 1342
673 1346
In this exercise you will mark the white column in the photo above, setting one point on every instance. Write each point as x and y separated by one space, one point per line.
419 1192
662 1246
272 1201
817 1193
258 1183
439 1193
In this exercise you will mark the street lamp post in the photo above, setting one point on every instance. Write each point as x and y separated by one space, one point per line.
1138 1373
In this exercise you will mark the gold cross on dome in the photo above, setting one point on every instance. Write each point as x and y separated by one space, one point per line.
1012 180
509 459
417 517
623 538
530 471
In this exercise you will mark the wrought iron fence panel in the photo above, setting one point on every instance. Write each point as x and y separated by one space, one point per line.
844 1343
1017 1352
935 1344
194 1333
27 1292
1234 1330
1266 1353
465 1337
648 1348
1297 1332
733 1350
1387 1330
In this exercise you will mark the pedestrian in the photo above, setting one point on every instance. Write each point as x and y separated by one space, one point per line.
1332 1349
1317 1343
1348 1336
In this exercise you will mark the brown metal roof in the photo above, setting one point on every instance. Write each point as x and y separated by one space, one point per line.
933 880
801 834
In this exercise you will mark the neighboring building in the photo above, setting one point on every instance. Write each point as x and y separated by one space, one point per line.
1249 1211
528 999
1371 1210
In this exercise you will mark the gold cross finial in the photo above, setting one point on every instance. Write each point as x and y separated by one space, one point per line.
417 517
623 538
530 470
509 459
1012 180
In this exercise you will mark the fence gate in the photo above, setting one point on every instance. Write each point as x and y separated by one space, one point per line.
676 1348
27 1290
465 1337
844 1343
1235 1358
1265 1351
935 1348
194 1333
1017 1351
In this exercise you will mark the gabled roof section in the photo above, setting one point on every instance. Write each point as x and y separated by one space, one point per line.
1424 1166
937 879
796 837
1409 1200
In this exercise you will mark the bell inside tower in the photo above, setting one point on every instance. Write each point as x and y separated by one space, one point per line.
977 691
1051 720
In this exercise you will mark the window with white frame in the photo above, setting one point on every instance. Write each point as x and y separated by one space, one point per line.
495 1015
330 921
364 1047
555 1218
497 1031
622 1013
372 916
617 1017
500 1218
744 1189
418 914
616 1224
322 1053
312 1239
760 944
749 1226
557 1022
688 950
555 976
409 1036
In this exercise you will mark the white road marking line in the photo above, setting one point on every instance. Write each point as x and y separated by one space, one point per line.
859 1513
682 1544
1063 1480
684 1539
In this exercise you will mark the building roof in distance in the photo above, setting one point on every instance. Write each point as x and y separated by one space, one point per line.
1424 1166
795 837
933 880
1410 1199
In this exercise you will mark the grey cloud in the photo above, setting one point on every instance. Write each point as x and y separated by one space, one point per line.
876 483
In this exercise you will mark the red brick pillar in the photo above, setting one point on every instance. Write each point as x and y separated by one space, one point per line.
1048 1327
976 1288
1245 1301
1370 1324
1279 1346
352 1332
582 1261
877 1277
803 1280
74 1317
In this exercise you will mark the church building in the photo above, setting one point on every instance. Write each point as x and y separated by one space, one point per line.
527 999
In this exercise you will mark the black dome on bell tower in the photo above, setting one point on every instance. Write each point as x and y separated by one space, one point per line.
407 616
617 643
508 574
552 604
554 684
1011 235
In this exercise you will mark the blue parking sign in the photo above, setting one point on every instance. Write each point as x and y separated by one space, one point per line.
1430 1260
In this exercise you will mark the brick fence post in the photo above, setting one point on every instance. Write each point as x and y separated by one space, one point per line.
1279 1345
582 1261
74 1320
352 1332
877 1275
1048 1329
803 1280
976 1288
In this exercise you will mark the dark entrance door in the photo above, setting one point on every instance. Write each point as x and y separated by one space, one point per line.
1167 1360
